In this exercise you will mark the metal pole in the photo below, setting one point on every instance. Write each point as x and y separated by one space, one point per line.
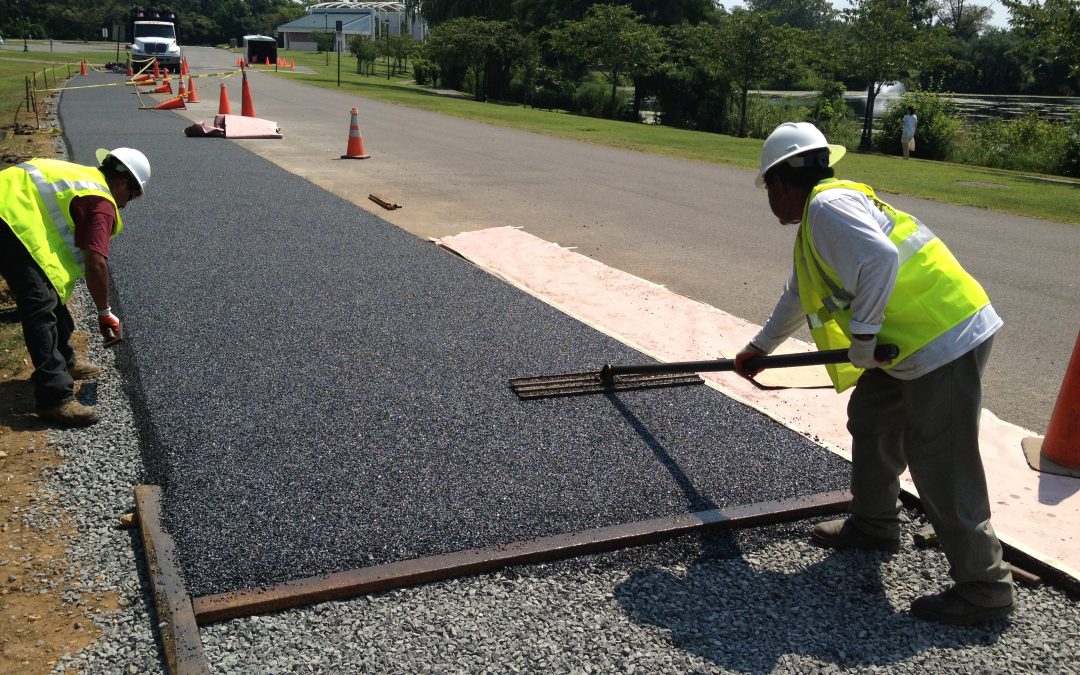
337 45
387 25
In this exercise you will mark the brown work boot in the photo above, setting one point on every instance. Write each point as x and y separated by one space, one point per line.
70 414
951 607
843 533
84 370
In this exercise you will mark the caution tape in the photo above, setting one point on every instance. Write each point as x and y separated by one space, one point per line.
223 75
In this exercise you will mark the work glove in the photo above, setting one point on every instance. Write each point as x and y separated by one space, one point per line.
748 352
109 326
861 354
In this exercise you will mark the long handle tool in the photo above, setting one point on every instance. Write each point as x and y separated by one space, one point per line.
675 374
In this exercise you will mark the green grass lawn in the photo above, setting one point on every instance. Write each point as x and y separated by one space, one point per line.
1007 191
44 67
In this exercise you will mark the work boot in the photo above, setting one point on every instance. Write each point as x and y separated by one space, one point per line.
951 607
843 533
70 414
84 370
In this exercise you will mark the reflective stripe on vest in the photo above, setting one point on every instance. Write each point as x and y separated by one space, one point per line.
932 294
35 204
49 191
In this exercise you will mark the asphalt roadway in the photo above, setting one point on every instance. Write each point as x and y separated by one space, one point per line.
320 390
702 230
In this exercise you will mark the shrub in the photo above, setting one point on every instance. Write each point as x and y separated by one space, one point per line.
1026 143
425 72
937 133
594 98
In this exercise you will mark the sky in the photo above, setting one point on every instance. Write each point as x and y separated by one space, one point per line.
999 20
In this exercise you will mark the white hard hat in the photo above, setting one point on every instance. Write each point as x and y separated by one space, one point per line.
133 160
791 139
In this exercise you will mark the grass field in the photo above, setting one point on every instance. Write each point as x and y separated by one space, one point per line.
44 68
1007 191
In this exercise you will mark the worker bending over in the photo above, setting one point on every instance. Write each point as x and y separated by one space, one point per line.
57 221
866 273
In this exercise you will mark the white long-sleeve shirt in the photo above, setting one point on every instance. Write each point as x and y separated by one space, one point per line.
851 235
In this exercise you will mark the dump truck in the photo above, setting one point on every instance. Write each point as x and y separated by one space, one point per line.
154 36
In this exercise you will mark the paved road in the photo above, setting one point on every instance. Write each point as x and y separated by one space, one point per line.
701 230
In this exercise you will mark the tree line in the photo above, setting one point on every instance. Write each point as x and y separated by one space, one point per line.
696 59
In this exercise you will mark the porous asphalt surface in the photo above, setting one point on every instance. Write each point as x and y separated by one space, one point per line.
319 391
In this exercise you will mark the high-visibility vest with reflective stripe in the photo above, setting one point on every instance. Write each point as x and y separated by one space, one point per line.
933 293
36 205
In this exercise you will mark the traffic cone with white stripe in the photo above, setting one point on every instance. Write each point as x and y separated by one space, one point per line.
355 149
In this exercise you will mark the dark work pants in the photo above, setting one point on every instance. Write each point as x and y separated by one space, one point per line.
47 324
931 426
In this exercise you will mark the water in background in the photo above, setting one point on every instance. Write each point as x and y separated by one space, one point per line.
970 107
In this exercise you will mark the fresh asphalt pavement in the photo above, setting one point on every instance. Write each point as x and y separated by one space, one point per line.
319 389
702 230
312 376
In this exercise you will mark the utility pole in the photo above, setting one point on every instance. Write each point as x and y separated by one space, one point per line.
387 27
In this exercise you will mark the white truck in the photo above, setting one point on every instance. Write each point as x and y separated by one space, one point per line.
152 39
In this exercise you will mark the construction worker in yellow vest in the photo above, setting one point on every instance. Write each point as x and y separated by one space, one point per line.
56 221
866 273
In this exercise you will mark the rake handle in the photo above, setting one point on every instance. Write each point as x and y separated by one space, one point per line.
608 372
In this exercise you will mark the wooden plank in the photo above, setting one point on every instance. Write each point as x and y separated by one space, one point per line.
384 202
175 616
211 608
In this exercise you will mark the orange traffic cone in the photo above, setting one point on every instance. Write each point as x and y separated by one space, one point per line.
175 103
82 66
1059 451
157 71
247 108
355 149
183 66
267 61
191 97
165 88
223 107
130 71
145 78
183 90
292 64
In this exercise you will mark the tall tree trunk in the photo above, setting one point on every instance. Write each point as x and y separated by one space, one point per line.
742 112
614 85
868 119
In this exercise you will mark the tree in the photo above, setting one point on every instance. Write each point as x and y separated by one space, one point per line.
964 20
613 39
486 48
691 82
880 48
805 14
1052 26
755 49
364 49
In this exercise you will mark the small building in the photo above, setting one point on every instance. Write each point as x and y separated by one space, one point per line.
373 19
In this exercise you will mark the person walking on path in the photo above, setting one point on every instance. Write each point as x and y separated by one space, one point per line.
866 272
56 221
908 124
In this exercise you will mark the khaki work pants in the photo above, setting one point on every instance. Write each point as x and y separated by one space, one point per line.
930 425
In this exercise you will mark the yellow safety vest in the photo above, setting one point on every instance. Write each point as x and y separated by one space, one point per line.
933 293
36 205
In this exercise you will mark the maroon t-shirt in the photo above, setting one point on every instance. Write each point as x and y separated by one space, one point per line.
95 219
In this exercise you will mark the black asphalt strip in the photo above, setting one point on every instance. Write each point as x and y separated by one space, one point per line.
320 391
